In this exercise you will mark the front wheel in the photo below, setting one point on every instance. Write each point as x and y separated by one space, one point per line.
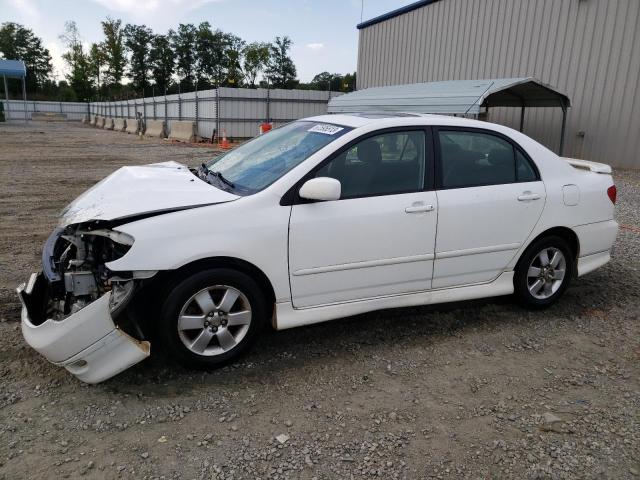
209 319
544 272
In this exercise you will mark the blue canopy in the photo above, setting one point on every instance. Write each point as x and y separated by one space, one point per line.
12 68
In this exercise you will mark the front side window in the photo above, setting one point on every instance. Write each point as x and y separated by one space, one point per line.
380 165
470 159
258 163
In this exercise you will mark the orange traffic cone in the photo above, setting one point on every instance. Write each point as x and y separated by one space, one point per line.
224 143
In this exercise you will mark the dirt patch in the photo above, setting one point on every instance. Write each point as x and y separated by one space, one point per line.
475 390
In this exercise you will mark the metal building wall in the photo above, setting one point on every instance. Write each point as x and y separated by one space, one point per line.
588 49
14 109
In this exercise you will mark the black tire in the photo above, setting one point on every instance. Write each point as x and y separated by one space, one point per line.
183 290
521 279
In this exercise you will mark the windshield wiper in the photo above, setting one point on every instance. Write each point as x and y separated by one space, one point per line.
218 175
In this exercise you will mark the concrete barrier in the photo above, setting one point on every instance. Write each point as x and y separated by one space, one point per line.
108 124
48 117
155 128
94 120
100 122
133 126
119 124
183 131
86 119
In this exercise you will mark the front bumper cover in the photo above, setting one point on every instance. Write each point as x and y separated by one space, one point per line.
87 343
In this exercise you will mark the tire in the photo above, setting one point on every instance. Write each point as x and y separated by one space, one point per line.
203 328
537 285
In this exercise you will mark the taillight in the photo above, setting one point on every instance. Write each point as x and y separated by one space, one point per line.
612 192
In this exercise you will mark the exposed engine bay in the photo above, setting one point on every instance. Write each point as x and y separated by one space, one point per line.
74 259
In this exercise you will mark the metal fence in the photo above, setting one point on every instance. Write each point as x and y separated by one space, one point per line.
236 111
15 109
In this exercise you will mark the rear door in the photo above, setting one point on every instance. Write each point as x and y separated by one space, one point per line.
378 238
490 197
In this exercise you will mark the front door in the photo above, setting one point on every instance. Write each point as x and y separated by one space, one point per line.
378 238
490 198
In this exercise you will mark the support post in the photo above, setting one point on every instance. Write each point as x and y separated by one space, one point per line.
179 107
6 95
24 98
522 119
196 106
564 126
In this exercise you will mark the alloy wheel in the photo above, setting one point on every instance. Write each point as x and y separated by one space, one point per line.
214 320
546 273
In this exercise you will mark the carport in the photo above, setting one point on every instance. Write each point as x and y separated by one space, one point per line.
455 97
14 69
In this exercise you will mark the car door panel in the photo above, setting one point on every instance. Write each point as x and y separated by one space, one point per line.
379 238
480 228
361 248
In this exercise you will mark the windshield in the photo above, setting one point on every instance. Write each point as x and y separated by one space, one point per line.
257 164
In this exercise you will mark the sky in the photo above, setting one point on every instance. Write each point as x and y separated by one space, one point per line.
323 31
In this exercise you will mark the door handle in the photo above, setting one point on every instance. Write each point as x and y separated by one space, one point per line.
419 207
528 196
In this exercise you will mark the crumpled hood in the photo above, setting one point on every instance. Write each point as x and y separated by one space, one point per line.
132 191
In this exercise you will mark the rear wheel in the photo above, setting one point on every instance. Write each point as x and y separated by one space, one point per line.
544 272
211 318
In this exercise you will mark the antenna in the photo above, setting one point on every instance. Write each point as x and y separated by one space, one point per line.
361 10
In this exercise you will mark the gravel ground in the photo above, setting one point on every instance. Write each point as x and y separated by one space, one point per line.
475 390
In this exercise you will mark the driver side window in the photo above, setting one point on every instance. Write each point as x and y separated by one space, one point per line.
384 164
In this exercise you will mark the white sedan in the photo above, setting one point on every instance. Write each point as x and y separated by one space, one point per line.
322 218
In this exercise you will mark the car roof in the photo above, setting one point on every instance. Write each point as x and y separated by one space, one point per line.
356 120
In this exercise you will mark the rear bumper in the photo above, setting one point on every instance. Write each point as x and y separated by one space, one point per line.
596 244
87 343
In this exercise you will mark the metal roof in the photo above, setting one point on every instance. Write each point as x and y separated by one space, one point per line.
451 97
395 13
12 68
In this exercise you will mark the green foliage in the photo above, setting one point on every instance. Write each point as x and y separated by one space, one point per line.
333 81
97 61
114 52
183 59
137 40
162 62
20 43
281 70
78 62
183 42
256 59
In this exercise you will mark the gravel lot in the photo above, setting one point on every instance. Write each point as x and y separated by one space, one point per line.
474 390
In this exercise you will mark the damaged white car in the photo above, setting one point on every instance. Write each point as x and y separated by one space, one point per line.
323 218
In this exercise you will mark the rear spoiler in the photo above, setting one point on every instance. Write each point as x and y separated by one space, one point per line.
594 167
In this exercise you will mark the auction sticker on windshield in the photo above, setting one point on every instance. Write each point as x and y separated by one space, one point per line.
325 128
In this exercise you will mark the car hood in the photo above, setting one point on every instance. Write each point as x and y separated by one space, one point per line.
140 190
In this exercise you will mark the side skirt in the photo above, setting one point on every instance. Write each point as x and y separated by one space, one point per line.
288 317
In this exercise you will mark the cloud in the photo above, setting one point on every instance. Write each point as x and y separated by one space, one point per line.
136 7
26 7
315 46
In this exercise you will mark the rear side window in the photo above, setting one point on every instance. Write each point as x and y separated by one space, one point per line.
471 159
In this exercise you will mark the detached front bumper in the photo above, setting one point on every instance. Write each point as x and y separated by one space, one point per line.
87 343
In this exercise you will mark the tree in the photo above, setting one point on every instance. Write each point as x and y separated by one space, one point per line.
137 39
96 64
209 48
183 43
281 70
232 61
79 76
162 62
256 59
114 51
20 43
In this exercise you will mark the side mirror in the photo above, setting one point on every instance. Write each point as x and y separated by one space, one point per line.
321 188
